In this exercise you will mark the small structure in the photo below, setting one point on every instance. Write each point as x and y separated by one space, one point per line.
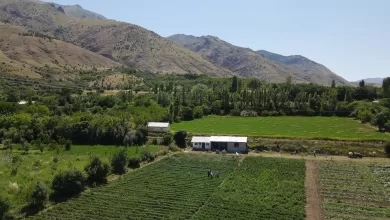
228 143
201 143
159 126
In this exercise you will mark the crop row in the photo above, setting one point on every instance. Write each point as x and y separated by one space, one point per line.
260 188
173 188
354 189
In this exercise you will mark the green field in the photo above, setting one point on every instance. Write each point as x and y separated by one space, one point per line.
36 166
305 127
354 190
178 188
261 188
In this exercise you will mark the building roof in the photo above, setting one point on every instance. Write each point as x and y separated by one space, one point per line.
158 124
200 140
228 139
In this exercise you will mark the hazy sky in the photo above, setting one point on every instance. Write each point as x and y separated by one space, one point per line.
350 37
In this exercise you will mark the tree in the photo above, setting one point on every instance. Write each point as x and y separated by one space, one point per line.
187 114
381 119
386 87
289 79
118 162
39 195
97 170
68 145
134 162
180 138
68 183
198 112
234 87
333 84
387 149
362 84
167 139
4 206
142 135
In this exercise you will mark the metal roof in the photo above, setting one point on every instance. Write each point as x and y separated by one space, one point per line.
228 139
158 124
200 140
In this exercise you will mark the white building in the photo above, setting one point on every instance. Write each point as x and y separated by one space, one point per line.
228 143
158 126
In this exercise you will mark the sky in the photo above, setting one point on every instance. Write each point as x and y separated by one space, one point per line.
350 37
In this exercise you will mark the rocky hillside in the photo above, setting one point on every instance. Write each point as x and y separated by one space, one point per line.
314 72
77 11
126 43
35 55
246 62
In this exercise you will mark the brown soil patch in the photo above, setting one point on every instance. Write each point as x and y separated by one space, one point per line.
313 199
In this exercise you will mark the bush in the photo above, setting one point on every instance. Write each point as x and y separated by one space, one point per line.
365 116
97 170
134 162
180 138
198 112
167 139
173 148
235 112
387 149
68 183
119 161
4 206
265 113
68 145
38 196
246 113
146 155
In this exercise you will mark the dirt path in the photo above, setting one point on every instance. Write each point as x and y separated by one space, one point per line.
313 199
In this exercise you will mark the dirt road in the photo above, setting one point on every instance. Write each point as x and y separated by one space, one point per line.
313 198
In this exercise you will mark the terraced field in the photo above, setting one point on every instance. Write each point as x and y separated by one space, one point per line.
353 190
178 188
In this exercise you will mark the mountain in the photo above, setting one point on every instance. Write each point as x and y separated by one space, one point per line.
29 54
246 62
77 11
125 43
372 80
317 72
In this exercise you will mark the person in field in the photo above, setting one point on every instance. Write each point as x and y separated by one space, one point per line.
217 173
211 174
208 173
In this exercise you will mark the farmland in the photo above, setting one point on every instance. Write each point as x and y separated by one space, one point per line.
178 188
261 188
37 166
286 126
355 190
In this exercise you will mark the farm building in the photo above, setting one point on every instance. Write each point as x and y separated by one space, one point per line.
228 143
158 126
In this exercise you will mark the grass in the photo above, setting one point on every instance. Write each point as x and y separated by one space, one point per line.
294 127
260 188
177 187
355 190
41 167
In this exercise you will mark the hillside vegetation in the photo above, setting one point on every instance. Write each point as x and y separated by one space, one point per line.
35 55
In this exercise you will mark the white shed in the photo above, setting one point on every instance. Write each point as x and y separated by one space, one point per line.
201 143
229 143
159 126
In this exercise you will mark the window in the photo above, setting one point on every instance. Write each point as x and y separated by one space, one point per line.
236 145
196 144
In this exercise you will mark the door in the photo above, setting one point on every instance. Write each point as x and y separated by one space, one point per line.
203 146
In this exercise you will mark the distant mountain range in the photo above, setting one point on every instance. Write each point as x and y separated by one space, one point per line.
110 43
372 80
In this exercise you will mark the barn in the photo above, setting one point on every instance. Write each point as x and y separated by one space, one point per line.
228 143
158 126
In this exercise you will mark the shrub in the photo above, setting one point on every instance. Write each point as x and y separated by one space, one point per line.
365 116
4 206
134 162
68 145
97 170
198 112
235 112
265 113
387 149
38 196
119 161
173 148
146 155
68 183
246 113
167 139
180 138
